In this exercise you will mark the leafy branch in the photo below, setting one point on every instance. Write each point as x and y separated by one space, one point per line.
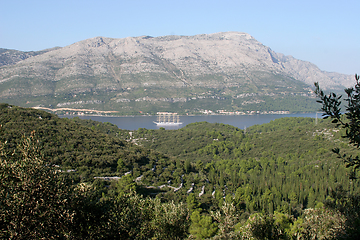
331 106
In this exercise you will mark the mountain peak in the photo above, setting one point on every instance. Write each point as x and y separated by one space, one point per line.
234 62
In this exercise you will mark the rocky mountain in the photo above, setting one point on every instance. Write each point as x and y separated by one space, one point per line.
146 72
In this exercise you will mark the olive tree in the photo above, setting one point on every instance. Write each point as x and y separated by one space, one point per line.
33 197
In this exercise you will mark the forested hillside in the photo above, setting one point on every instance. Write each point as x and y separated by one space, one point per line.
204 180
70 145
286 165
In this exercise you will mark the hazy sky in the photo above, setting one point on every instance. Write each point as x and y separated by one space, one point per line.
326 33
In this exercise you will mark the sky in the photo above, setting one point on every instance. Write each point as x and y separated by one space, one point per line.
324 32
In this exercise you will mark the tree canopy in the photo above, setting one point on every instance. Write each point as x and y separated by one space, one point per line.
202 181
349 120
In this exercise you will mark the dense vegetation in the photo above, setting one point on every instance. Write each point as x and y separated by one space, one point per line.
70 145
205 180
349 121
285 166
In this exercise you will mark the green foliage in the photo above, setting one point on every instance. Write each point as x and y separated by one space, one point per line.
264 227
192 203
345 202
273 167
73 144
125 184
170 220
120 165
227 217
347 205
37 202
134 217
320 224
314 224
33 197
331 106
202 226
276 170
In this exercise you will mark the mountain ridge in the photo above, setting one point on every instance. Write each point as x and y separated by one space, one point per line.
225 60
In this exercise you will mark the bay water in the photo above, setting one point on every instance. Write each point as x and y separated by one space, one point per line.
240 121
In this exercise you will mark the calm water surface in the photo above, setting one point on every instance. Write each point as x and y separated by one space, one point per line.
136 122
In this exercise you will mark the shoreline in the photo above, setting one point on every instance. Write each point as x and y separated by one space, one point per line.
100 113
189 115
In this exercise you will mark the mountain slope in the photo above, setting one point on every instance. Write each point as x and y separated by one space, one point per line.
10 56
161 70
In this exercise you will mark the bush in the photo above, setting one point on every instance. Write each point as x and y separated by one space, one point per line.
33 197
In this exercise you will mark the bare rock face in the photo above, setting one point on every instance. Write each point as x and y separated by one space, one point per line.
220 60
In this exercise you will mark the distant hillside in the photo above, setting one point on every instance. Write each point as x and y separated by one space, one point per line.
229 70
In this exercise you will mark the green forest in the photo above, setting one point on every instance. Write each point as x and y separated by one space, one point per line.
80 179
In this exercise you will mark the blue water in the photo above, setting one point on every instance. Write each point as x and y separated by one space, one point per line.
243 121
